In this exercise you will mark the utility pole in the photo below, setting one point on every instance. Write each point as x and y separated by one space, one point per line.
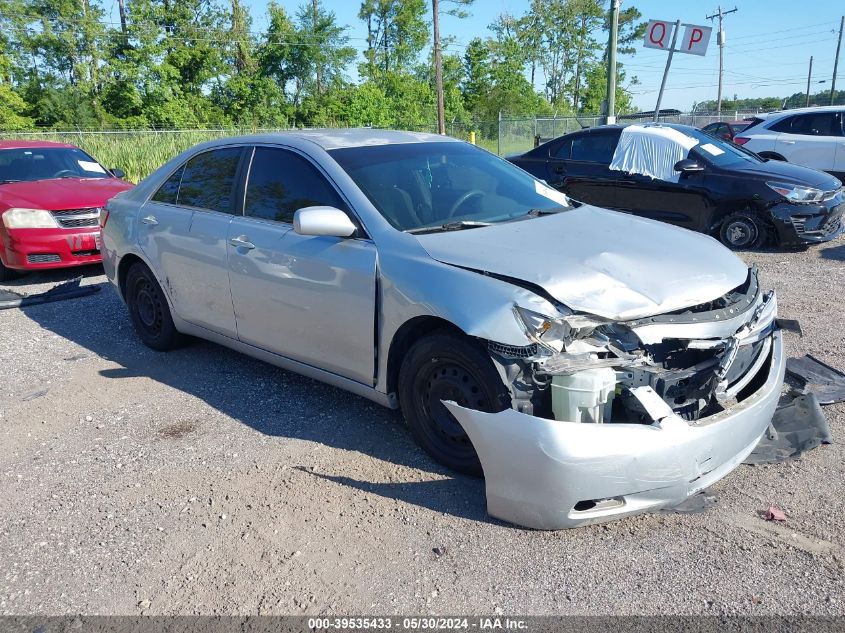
610 117
720 40
438 68
315 14
836 60
666 70
809 77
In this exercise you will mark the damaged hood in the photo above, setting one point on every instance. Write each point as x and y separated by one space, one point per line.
602 262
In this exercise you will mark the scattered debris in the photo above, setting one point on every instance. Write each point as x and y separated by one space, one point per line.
814 376
439 551
798 427
775 514
67 290
790 325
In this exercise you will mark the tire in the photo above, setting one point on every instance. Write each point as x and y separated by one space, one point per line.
7 274
742 231
448 366
149 311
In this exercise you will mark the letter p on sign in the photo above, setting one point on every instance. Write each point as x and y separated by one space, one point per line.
696 39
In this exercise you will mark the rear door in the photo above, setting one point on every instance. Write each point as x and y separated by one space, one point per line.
811 139
183 230
578 166
309 298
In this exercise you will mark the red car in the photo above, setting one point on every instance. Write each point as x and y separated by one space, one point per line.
50 200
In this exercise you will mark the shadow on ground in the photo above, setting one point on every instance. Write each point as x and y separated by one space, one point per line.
270 400
836 253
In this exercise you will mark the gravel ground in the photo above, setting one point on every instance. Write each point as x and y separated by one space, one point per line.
203 482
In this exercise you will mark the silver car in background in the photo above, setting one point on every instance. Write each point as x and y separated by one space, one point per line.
590 364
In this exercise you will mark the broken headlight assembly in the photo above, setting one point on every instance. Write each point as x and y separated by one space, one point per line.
797 193
550 333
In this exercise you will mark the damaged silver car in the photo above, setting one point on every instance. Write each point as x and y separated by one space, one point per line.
590 364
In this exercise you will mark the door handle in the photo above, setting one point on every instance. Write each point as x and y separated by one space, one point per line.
242 241
150 219
788 142
559 170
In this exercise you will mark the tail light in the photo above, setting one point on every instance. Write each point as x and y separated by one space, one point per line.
741 140
104 217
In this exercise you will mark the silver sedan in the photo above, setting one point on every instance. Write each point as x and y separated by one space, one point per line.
589 364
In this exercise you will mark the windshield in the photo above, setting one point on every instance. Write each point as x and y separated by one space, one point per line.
717 151
420 185
42 163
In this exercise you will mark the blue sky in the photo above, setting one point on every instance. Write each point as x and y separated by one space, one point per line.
768 45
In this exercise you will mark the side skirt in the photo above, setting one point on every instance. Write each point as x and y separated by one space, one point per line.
359 389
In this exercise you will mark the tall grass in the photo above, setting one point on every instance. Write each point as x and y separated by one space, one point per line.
138 153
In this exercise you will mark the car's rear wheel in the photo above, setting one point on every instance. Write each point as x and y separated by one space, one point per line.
448 366
149 311
741 230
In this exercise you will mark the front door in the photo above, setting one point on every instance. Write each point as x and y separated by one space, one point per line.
183 230
308 298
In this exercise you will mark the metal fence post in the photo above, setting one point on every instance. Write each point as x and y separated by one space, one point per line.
499 136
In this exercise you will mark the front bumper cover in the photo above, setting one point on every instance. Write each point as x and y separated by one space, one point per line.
809 223
547 474
35 249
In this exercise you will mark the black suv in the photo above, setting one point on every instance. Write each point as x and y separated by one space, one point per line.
727 192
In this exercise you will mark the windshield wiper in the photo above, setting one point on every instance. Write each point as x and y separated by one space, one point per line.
6 182
449 226
537 212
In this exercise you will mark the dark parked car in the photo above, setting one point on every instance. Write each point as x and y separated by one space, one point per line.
726 129
679 174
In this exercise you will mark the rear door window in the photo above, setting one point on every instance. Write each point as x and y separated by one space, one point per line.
594 148
208 180
169 191
563 151
281 181
817 124
784 125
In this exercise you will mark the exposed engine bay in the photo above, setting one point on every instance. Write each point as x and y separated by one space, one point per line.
698 361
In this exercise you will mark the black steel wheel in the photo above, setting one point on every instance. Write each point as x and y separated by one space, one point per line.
447 366
149 311
742 230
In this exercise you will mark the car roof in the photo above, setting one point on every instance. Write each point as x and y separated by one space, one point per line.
330 139
20 144
778 113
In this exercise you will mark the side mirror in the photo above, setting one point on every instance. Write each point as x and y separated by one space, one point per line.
688 165
326 221
118 173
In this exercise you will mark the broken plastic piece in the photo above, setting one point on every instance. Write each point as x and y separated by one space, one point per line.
775 514
816 377
67 290
796 428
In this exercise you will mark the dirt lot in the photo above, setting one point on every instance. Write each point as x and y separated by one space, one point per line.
201 481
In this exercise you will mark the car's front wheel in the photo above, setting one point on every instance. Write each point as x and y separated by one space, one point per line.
149 311
740 231
448 366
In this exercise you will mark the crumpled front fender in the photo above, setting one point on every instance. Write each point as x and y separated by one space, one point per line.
538 470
